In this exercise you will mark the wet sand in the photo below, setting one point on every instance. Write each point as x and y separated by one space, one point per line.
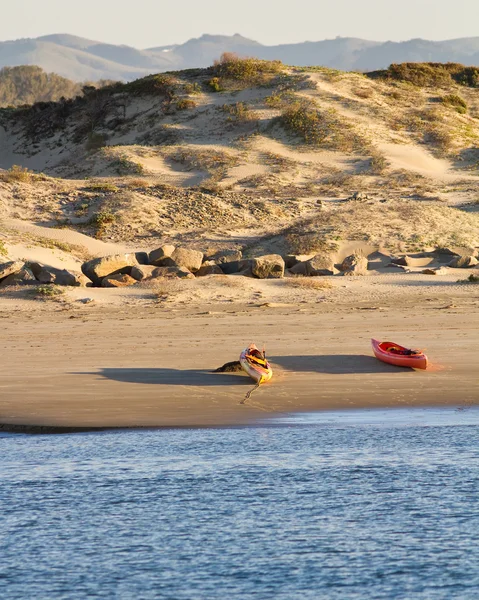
152 368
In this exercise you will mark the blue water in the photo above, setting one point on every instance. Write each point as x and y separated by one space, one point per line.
377 504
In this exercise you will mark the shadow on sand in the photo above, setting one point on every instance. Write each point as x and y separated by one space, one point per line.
190 377
336 364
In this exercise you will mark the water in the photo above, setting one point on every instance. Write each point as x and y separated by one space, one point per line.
376 504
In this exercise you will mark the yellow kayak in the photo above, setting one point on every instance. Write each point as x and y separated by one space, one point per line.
254 362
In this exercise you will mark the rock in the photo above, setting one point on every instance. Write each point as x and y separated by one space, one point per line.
355 264
227 257
172 273
319 266
157 256
46 274
118 280
463 262
270 266
142 258
402 261
118 264
359 196
9 268
209 270
435 271
300 268
142 272
236 266
190 259
445 251
22 277
290 260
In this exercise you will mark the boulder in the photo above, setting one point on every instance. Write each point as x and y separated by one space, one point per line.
189 259
9 268
236 266
300 268
118 280
118 264
402 261
291 260
142 258
209 270
142 272
355 264
227 257
172 273
22 277
156 257
319 266
46 274
270 266
445 251
463 262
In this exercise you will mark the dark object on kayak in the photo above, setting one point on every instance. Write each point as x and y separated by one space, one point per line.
397 355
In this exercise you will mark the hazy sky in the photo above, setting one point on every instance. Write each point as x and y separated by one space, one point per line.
147 23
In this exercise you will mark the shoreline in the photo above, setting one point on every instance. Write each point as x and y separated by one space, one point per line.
153 368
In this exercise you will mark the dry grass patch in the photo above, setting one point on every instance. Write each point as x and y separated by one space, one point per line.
137 184
456 102
231 71
162 288
239 112
47 292
307 283
17 174
323 128
430 74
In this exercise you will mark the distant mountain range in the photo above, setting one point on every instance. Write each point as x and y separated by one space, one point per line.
81 59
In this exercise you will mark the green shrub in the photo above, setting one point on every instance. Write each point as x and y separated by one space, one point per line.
304 119
192 88
430 74
102 187
185 104
234 72
239 111
125 166
231 66
47 291
17 174
160 84
215 85
318 127
102 218
456 102
95 141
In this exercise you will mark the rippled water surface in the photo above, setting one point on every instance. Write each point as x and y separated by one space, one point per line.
377 504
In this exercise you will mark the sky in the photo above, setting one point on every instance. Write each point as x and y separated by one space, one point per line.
148 23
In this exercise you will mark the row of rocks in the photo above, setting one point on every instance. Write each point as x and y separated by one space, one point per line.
457 262
169 261
20 273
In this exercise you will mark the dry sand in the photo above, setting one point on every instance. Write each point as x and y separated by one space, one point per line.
151 367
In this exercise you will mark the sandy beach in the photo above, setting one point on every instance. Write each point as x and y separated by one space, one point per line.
151 367
306 210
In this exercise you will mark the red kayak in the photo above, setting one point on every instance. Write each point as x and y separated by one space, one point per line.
394 354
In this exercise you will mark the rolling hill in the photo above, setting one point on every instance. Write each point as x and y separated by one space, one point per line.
81 59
